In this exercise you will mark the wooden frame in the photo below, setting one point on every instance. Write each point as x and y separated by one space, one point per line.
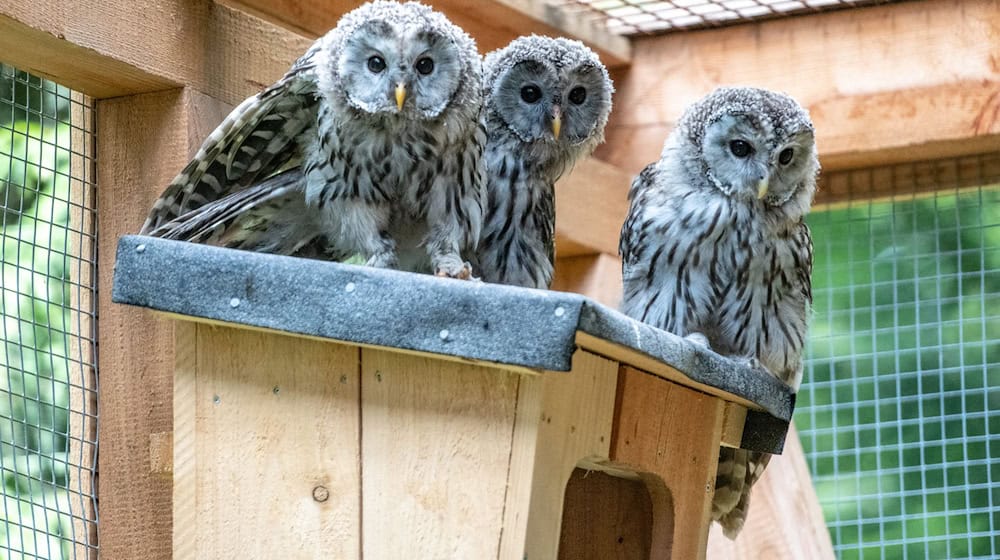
890 84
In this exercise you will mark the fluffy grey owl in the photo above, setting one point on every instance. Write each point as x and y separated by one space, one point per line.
547 101
384 115
715 246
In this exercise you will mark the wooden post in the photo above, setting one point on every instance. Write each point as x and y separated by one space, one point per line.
82 248
144 140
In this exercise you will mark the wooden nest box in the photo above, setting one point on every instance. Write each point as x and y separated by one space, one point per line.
334 411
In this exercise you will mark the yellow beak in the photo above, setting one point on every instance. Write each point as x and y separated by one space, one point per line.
761 188
400 95
556 121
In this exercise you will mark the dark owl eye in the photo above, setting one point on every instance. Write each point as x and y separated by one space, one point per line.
531 94
577 95
425 66
376 64
740 148
785 156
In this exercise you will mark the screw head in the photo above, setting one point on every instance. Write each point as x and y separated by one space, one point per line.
560 311
321 494
350 287
140 248
234 302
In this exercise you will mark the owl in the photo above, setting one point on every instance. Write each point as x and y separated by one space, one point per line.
383 118
547 101
715 247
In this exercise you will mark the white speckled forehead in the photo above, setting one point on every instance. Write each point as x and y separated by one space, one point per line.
772 110
557 53
409 15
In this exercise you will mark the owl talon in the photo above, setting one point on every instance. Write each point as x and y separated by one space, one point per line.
463 273
698 338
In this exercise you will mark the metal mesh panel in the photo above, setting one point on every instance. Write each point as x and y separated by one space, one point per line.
630 17
899 413
48 415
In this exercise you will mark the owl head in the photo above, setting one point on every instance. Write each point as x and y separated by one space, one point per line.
753 144
405 59
549 91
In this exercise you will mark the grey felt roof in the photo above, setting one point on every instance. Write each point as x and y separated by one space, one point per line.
503 324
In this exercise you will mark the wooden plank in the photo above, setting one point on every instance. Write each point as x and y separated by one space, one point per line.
635 358
783 498
82 248
143 141
591 204
184 440
276 430
901 82
563 420
110 48
907 179
597 276
671 434
435 449
493 23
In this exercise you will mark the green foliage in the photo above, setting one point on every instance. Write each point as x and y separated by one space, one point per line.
34 308
898 409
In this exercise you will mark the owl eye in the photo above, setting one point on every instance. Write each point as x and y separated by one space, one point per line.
785 156
376 64
425 66
740 148
531 94
577 95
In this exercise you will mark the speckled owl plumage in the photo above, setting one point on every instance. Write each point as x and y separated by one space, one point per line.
367 176
524 159
715 247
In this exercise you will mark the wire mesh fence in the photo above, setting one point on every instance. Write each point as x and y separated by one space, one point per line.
630 17
899 413
48 391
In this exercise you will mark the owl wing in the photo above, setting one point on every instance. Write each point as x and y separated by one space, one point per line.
634 230
215 222
258 138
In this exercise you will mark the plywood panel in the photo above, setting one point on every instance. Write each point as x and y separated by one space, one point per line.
276 430
436 446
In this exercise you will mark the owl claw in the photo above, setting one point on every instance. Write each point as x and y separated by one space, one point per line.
698 338
462 273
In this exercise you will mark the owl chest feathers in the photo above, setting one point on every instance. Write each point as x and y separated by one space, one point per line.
517 245
714 265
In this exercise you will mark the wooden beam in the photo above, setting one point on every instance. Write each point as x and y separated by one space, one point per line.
597 276
109 48
900 82
947 174
591 205
493 23
143 141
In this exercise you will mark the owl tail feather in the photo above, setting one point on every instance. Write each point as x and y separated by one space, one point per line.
738 470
